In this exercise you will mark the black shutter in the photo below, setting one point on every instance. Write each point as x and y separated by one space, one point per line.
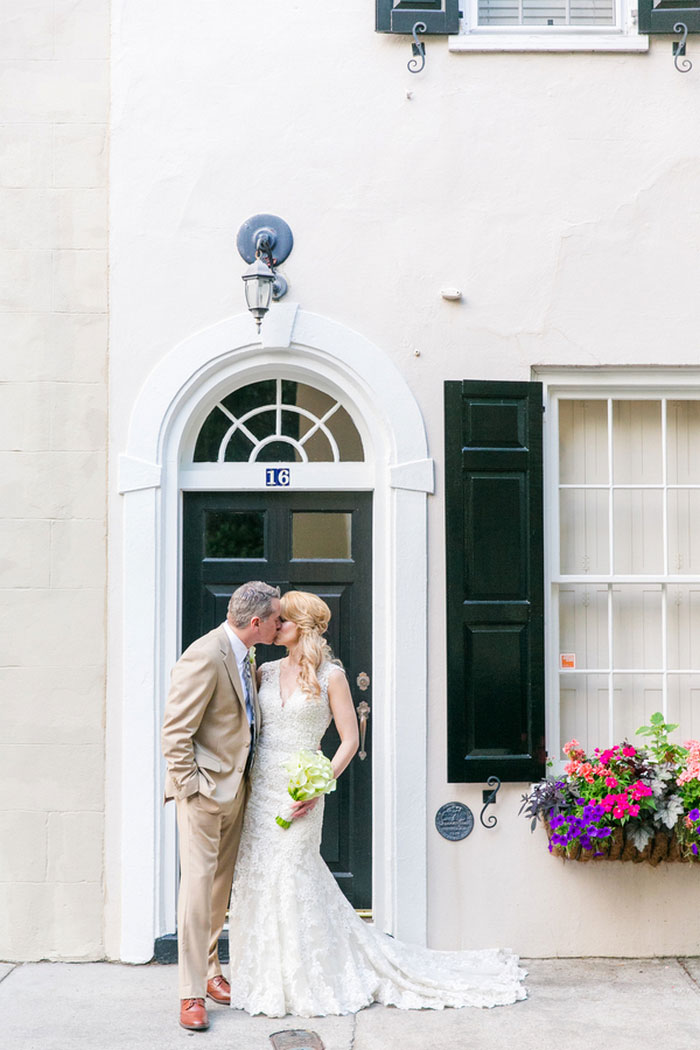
495 589
400 16
662 16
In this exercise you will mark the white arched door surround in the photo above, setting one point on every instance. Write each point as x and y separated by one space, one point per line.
153 471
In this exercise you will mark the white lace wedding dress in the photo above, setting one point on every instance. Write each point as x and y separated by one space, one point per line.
297 945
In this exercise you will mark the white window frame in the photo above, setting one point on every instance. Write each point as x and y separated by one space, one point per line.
635 384
623 36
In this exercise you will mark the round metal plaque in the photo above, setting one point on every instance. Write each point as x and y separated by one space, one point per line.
454 821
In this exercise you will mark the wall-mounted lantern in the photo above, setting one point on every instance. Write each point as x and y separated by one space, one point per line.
264 241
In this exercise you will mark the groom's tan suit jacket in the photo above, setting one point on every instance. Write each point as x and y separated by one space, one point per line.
206 737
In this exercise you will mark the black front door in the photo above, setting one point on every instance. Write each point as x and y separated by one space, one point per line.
308 541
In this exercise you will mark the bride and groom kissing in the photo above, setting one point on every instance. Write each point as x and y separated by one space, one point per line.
296 944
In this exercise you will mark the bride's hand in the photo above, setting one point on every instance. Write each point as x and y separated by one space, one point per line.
300 809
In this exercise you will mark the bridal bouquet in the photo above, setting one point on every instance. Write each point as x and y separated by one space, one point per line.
310 775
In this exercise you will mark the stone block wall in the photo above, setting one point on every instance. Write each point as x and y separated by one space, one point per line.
54 108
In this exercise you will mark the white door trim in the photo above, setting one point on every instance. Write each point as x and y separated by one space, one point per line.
171 402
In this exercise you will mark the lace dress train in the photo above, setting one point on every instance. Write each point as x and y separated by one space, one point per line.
297 945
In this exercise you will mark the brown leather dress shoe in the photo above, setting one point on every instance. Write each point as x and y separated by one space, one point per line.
219 990
193 1015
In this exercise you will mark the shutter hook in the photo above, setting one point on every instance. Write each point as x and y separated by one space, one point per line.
685 65
488 798
416 65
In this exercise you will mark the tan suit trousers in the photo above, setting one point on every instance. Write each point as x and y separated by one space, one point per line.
209 838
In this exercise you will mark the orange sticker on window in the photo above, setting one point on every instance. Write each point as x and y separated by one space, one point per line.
567 661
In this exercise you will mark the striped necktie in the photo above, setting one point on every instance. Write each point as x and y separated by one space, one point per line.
248 686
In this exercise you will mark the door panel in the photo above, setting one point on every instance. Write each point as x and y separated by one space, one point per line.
313 541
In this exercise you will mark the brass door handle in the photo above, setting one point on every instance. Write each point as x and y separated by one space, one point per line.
363 710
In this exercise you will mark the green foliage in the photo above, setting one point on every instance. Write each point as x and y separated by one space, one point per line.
661 748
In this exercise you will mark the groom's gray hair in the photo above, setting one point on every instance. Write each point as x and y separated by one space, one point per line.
251 599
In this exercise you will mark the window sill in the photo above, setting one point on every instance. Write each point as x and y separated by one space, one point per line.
485 41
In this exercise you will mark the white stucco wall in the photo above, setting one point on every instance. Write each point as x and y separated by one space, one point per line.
54 107
558 192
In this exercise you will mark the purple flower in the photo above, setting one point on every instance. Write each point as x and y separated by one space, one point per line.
694 814
694 849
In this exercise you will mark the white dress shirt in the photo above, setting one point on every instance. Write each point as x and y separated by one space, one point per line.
240 652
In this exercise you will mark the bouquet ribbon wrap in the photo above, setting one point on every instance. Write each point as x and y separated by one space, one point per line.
310 775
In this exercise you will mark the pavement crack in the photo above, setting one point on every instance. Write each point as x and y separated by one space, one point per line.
6 973
693 980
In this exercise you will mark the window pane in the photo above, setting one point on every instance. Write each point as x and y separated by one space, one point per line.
321 534
637 443
684 706
546 12
683 626
637 625
638 531
635 698
584 531
683 425
584 710
583 624
583 442
683 533
234 534
592 12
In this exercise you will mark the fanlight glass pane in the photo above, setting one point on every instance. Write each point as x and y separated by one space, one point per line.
234 534
322 534
278 421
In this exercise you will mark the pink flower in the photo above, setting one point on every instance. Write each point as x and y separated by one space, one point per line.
611 781
573 749
629 751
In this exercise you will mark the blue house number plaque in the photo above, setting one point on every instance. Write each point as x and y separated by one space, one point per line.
277 477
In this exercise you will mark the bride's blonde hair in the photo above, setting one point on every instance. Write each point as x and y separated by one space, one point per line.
312 616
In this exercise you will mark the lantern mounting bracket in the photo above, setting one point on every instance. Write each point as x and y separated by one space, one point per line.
270 238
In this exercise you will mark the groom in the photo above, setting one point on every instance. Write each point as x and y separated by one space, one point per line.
210 727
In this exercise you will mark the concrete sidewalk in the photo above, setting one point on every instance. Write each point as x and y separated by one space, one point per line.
573 1003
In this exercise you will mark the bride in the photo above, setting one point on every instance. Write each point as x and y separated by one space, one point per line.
297 945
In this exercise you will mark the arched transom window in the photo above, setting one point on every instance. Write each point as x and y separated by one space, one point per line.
278 421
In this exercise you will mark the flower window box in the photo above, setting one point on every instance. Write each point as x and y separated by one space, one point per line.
624 803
